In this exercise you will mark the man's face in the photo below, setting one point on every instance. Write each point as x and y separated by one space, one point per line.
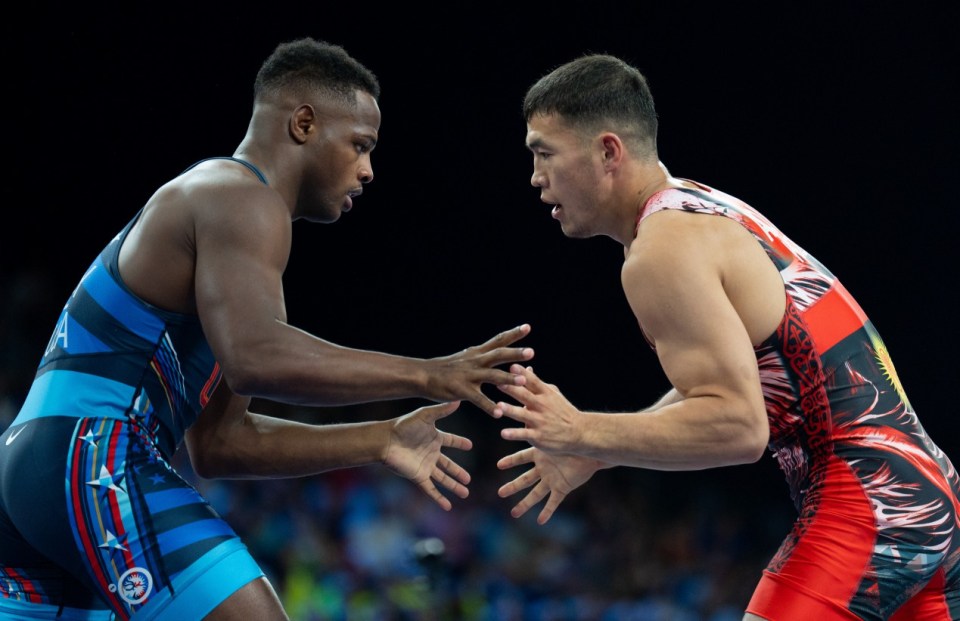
565 168
346 137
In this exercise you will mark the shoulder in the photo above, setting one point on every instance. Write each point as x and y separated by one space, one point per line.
223 190
220 204
213 177
672 233
675 248
695 200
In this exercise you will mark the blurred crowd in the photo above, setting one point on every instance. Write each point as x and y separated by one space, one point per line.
365 545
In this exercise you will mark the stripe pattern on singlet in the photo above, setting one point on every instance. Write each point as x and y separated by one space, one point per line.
115 355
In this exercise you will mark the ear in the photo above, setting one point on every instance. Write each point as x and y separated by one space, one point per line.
613 150
302 122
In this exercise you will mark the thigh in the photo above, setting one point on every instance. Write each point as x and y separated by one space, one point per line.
255 600
39 564
155 548
127 526
842 561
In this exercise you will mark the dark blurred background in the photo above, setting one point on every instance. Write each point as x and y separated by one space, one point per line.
837 120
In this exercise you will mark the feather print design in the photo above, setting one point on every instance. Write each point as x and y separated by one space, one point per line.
841 427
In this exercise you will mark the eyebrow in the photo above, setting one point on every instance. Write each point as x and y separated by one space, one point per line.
536 143
370 137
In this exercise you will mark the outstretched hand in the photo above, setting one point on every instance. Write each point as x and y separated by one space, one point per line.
414 452
462 375
553 476
550 421
550 425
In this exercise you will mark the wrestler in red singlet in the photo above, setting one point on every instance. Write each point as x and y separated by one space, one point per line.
877 535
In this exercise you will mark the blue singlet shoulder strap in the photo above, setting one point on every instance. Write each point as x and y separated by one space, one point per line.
252 168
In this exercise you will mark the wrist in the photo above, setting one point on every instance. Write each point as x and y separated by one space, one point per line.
385 432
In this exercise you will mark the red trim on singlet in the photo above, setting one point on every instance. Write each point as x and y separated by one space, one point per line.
28 587
821 573
832 318
212 382
78 490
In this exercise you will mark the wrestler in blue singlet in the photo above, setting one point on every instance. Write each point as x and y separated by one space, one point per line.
94 522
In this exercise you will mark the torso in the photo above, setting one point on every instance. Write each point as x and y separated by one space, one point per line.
129 344
170 214
822 363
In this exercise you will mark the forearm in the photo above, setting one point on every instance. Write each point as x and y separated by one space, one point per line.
262 446
293 366
677 434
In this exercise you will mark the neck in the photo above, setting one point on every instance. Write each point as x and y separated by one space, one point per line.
649 179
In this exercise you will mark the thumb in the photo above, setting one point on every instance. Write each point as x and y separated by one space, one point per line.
436 412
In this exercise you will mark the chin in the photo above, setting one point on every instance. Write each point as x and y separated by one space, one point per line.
570 231
323 218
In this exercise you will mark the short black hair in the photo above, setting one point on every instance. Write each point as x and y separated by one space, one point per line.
306 63
594 90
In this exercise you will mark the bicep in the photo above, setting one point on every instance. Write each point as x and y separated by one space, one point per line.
241 249
702 344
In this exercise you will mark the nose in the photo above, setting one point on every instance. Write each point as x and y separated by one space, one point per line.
537 179
365 174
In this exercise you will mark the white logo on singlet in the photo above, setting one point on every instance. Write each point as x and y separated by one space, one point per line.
134 585
13 436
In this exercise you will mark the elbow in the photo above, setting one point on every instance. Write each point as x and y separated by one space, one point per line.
755 438
245 375
208 459
752 453
204 468
254 361
210 463
244 382
205 463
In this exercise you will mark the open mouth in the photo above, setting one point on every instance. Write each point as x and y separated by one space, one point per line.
348 204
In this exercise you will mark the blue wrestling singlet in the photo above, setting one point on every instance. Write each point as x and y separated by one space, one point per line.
94 522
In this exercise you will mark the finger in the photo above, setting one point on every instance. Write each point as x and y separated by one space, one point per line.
537 494
533 383
449 482
522 482
444 502
503 407
497 377
454 469
504 355
507 337
516 412
516 459
552 503
520 393
518 434
455 441
486 404
433 413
